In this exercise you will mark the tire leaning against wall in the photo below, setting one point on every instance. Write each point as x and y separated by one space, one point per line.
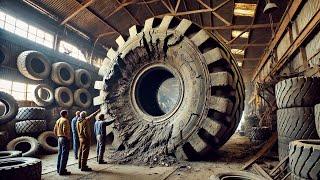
79 100
48 141
41 101
33 143
4 54
62 73
31 113
20 168
33 65
60 94
298 92
304 159
11 107
82 78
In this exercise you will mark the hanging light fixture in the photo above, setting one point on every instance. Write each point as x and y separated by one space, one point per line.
270 7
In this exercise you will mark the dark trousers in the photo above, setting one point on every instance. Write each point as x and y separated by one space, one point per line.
75 145
63 154
101 144
84 149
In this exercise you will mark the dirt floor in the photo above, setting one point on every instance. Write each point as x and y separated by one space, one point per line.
231 156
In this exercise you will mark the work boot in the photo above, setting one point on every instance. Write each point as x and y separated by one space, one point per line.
64 173
102 162
86 168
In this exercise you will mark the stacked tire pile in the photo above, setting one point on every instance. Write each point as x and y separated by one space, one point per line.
296 98
35 66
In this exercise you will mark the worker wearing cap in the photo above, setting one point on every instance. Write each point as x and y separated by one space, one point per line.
100 132
62 131
84 133
75 137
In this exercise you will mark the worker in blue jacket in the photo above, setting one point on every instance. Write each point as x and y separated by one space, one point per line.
75 136
100 132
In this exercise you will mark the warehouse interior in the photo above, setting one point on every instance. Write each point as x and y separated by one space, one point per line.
160 89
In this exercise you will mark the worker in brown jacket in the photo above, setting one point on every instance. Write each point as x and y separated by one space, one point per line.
84 133
62 131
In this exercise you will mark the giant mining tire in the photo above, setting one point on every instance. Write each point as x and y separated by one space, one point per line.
33 65
64 97
298 92
48 141
293 124
172 87
20 168
10 107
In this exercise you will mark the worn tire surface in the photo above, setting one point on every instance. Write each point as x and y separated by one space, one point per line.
83 78
64 97
62 73
211 90
11 107
236 175
260 133
10 154
82 98
20 168
4 54
19 144
29 63
31 126
45 139
304 158
317 118
31 113
294 123
298 92
38 98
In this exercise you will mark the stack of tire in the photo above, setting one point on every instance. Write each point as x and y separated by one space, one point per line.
35 66
296 98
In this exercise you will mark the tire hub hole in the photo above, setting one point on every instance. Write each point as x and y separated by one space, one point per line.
52 141
4 154
37 65
65 97
3 109
83 98
65 74
44 94
84 78
157 91
23 146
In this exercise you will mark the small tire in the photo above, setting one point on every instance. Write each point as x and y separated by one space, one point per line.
304 158
48 141
31 126
11 107
40 100
31 113
33 65
10 154
20 168
293 124
298 92
4 55
28 145
64 97
62 73
236 175
83 78
82 98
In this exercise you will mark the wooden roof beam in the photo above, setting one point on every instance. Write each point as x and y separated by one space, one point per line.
216 8
129 13
249 45
82 6
254 26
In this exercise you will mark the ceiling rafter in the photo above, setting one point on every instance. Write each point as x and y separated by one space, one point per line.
254 26
149 8
216 8
82 6
129 13
167 6
185 6
252 22
177 6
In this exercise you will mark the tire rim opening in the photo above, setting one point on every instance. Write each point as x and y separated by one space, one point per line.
52 141
4 154
3 109
2 57
83 98
157 91
44 94
37 65
12 163
84 78
23 146
65 97
65 74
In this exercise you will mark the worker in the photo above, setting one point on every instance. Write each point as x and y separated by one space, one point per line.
100 132
84 132
62 131
75 137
